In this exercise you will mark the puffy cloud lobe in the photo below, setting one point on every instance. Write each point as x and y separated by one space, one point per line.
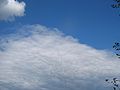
9 9
40 58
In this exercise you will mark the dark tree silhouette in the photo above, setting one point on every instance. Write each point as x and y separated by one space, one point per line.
116 47
116 4
114 82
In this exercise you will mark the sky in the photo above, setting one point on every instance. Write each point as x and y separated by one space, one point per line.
58 44
92 22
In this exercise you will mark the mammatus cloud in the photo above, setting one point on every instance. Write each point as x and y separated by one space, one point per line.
9 9
40 58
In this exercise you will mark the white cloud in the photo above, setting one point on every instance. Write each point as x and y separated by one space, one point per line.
9 9
40 58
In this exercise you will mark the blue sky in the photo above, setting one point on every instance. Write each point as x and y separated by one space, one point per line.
92 22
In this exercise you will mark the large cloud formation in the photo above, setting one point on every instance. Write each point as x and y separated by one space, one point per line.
41 58
9 9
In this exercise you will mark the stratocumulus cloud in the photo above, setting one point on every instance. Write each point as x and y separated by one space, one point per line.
40 58
9 9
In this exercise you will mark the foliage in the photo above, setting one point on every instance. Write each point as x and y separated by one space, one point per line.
117 4
115 83
116 47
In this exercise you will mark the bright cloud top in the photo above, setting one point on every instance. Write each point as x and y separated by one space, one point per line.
9 9
40 58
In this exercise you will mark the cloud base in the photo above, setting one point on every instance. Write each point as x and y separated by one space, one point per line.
41 58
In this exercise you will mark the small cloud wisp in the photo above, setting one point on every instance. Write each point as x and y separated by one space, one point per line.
9 9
